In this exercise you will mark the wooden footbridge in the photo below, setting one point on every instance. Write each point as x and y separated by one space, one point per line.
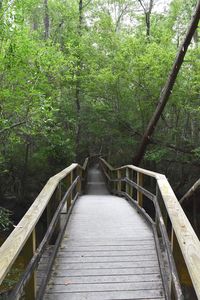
109 234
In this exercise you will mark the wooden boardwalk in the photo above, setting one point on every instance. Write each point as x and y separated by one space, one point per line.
108 251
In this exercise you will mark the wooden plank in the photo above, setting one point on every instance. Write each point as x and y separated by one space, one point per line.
11 248
83 259
108 279
97 248
100 297
29 251
100 272
187 239
122 295
140 179
106 287
106 253
107 265
115 242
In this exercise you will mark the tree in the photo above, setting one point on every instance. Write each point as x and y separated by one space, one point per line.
46 20
165 94
147 7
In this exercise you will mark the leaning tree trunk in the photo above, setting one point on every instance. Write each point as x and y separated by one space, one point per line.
167 90
192 191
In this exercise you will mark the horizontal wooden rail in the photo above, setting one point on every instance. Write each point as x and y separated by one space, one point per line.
21 235
182 231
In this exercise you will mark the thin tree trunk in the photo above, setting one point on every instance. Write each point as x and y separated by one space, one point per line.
46 20
25 171
193 190
166 92
147 13
78 82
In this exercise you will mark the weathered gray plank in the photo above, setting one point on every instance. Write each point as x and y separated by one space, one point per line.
107 247
99 272
108 252
107 265
106 287
115 242
93 259
107 279
122 295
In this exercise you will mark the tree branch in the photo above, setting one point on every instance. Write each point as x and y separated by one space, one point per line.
194 189
12 126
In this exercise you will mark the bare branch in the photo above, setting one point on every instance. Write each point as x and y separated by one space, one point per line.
194 189
12 126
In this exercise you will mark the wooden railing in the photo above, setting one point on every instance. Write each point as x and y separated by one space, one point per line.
169 222
56 198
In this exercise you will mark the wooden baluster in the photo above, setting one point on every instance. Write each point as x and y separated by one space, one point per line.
29 250
69 182
140 179
119 183
162 206
79 183
131 178
127 188
181 267
115 183
51 208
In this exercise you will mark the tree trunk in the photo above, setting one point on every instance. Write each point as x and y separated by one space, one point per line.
78 83
193 190
46 20
147 12
167 90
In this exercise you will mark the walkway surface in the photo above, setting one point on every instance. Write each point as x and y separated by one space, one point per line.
108 251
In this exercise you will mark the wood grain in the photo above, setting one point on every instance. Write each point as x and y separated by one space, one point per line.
186 237
108 251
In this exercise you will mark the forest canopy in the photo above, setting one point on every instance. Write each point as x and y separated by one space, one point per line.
82 78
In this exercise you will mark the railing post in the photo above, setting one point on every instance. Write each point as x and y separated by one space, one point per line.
51 208
119 183
140 180
79 185
112 177
127 184
69 182
115 183
181 267
131 178
161 206
29 250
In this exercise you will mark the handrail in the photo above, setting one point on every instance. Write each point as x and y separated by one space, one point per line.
17 240
181 228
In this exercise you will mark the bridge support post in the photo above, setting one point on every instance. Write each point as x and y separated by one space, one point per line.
163 212
79 184
69 182
128 188
29 250
140 180
114 177
184 277
119 183
51 208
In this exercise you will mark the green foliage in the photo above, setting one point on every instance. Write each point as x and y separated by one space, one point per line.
118 71
5 219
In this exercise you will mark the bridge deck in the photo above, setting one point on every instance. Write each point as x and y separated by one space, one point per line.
108 251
